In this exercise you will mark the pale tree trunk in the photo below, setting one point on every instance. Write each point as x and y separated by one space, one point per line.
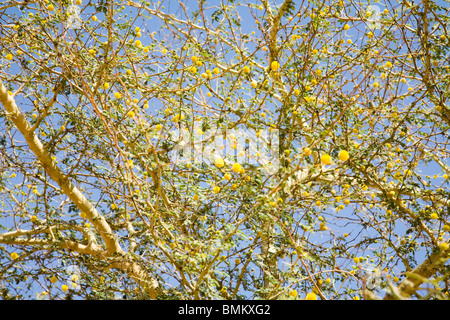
111 242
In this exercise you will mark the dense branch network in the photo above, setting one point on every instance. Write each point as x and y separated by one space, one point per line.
271 150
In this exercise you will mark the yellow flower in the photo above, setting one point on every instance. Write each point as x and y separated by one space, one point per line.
117 95
219 162
275 65
343 155
50 7
53 279
246 69
64 287
307 151
236 167
326 159
311 296
14 256
293 293
346 27
9 56
216 189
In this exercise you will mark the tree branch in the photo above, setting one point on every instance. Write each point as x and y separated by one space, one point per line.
56 174
83 204
414 279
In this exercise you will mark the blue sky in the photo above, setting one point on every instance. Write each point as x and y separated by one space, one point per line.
155 109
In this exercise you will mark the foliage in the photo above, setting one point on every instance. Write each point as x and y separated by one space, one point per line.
97 194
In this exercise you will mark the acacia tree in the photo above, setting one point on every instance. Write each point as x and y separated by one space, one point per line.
134 150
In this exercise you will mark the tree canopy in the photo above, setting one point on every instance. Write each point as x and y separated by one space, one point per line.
232 150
